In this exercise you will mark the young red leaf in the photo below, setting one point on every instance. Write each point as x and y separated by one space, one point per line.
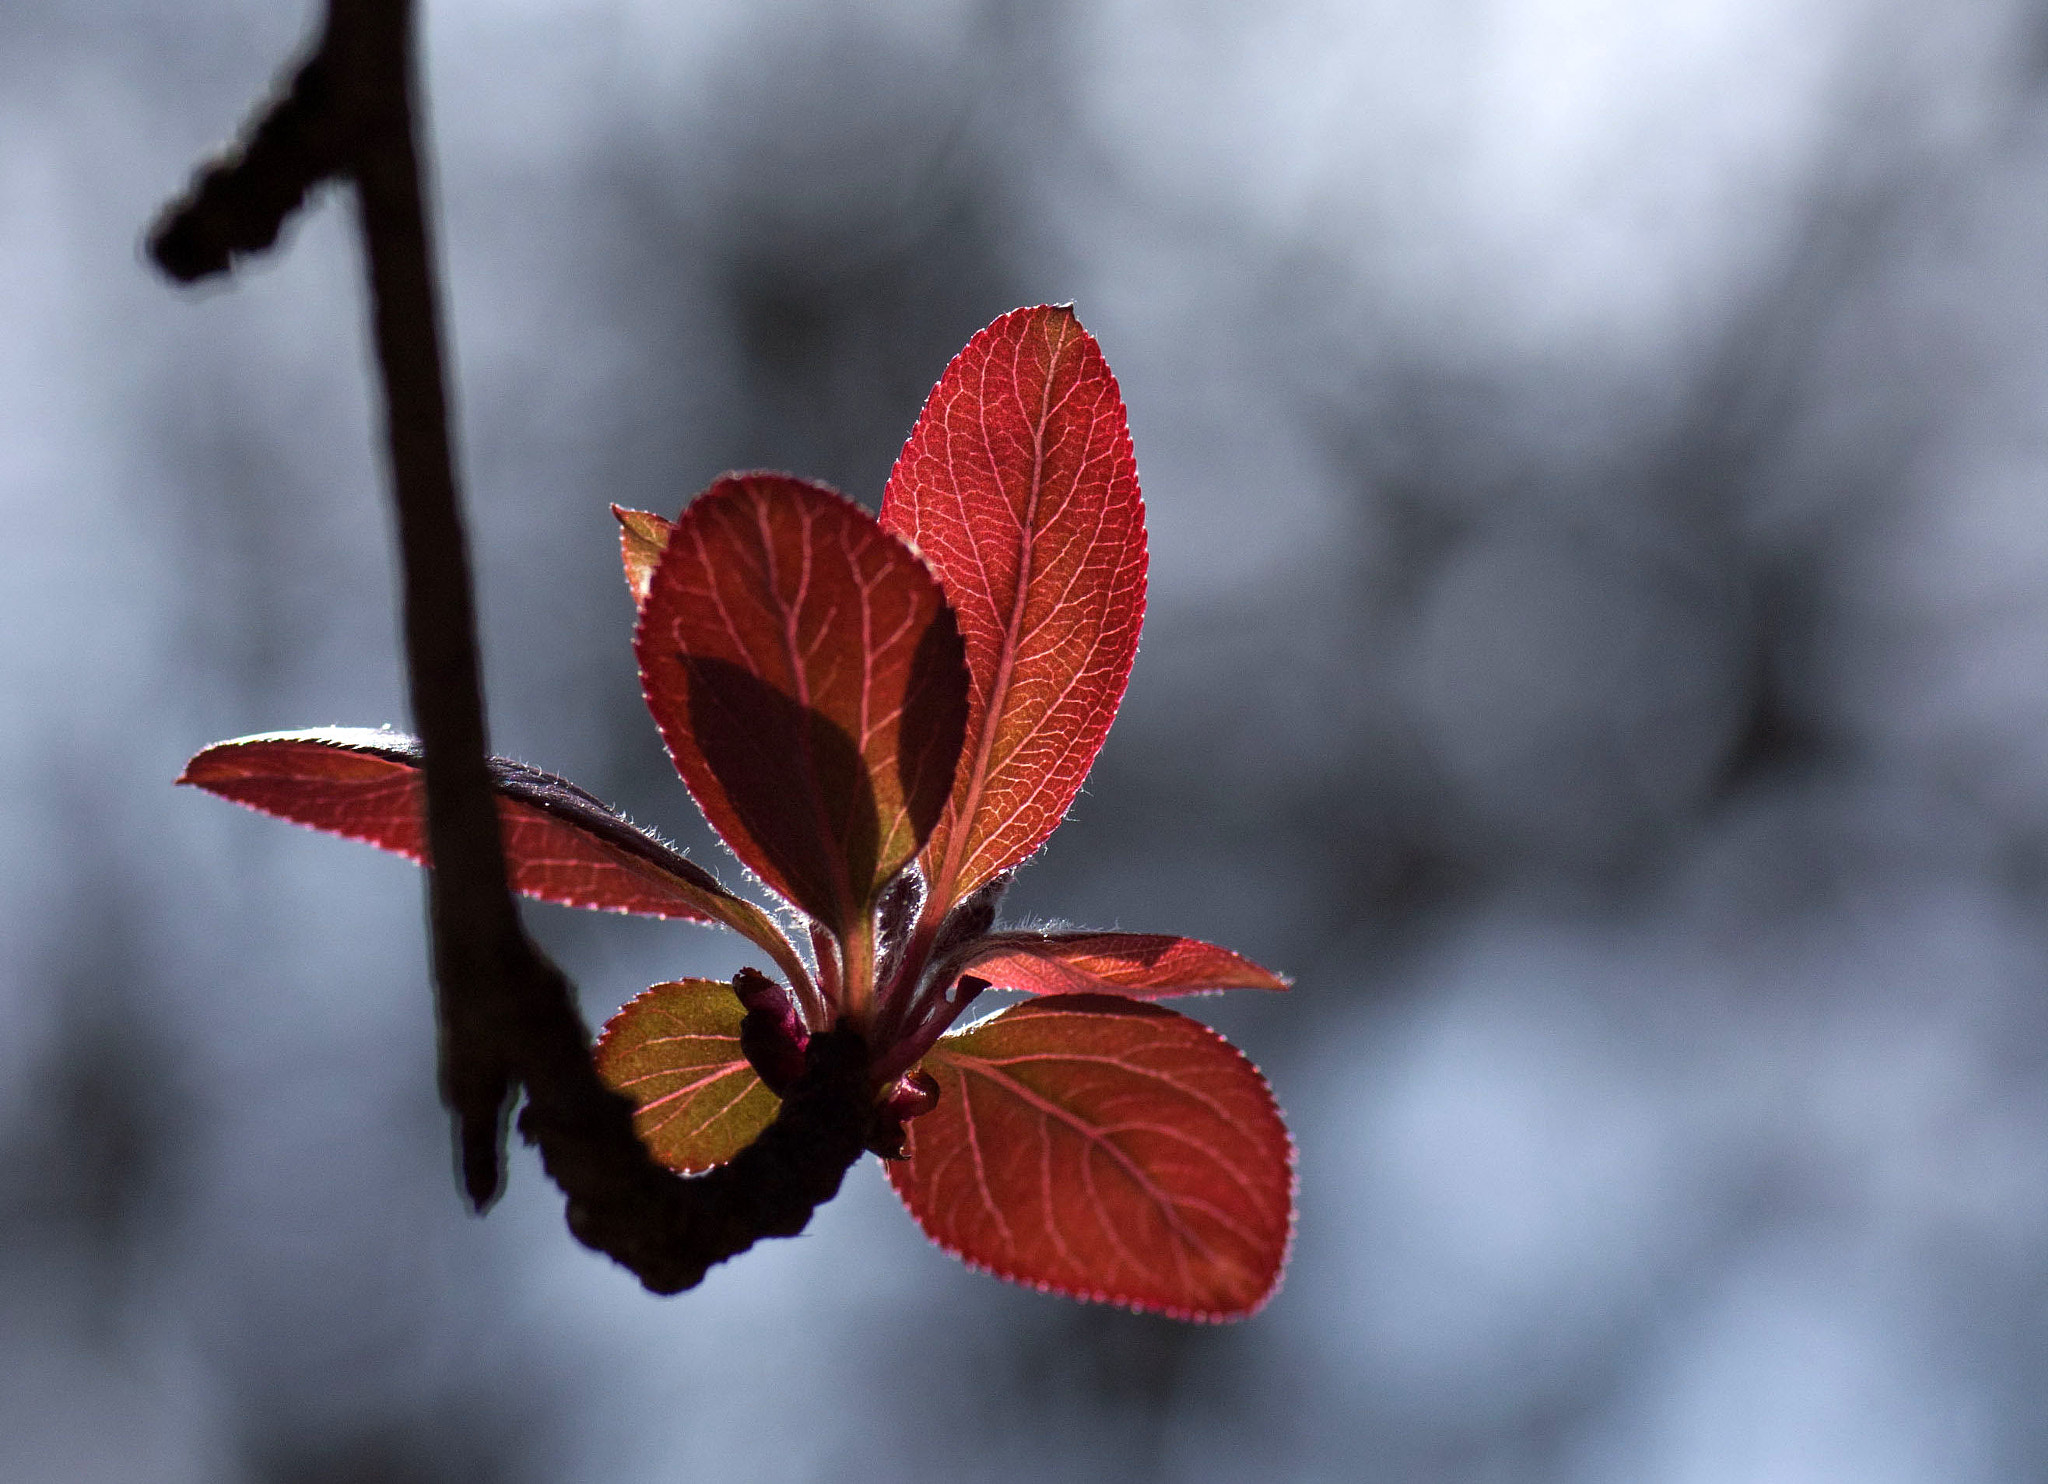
807 677
561 845
1019 486
1107 1149
675 1051
643 537
1146 966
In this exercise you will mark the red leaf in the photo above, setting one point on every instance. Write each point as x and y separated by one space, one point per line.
1107 1149
643 537
675 1051
561 845
1019 486
1146 966
806 675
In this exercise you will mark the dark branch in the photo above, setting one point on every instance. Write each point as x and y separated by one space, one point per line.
507 1015
480 948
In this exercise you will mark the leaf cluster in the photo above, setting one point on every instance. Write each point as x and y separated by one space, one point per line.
883 719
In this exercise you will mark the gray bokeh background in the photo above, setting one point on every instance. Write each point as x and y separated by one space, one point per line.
1599 643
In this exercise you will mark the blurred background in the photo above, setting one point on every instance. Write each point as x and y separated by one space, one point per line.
1594 452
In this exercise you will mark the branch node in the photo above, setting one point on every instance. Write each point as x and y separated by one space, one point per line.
670 1229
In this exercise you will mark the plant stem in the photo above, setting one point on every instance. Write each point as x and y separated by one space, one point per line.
507 1015
479 942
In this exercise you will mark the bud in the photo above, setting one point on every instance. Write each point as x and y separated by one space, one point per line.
901 901
915 1094
772 1035
972 916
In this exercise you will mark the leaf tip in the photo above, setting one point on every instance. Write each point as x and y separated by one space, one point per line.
643 537
209 765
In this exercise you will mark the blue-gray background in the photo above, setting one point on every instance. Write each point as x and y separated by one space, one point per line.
1595 456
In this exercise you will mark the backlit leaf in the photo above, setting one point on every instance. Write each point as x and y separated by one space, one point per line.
561 845
643 537
675 1051
1019 486
1144 965
1108 1149
807 677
